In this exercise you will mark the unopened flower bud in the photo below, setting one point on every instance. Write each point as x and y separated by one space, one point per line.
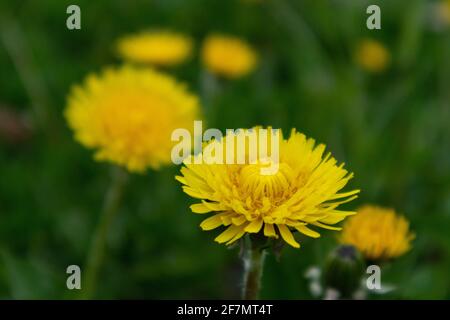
343 270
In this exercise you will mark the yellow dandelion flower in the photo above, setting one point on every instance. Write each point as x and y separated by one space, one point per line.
443 12
228 56
128 114
304 192
163 48
379 233
372 56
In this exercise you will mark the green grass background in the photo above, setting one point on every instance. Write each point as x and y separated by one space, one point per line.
391 130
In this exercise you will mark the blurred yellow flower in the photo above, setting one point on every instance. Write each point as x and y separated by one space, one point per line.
303 192
372 56
379 233
162 48
443 11
228 56
128 114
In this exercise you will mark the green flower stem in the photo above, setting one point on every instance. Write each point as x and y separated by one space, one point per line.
253 268
98 246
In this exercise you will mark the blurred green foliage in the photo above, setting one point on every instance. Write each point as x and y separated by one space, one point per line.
391 129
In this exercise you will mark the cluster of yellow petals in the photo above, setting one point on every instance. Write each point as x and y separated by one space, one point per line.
228 56
162 48
304 192
127 115
378 233
372 56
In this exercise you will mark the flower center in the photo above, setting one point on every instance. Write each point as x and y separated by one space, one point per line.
258 185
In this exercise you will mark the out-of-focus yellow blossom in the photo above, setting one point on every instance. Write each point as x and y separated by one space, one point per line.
443 11
304 192
372 56
228 56
379 233
127 115
162 48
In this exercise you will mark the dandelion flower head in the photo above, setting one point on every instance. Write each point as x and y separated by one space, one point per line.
305 191
228 56
372 56
127 115
163 48
378 233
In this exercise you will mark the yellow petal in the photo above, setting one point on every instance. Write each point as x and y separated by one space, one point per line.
336 203
212 222
269 230
181 179
326 226
199 208
237 236
226 219
213 206
305 230
344 194
191 192
239 220
336 216
228 234
254 226
287 235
